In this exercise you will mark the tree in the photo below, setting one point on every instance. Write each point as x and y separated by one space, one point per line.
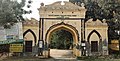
100 9
113 9
11 12
93 11
61 39
103 9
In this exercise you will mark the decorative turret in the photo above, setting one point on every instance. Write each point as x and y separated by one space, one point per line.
42 4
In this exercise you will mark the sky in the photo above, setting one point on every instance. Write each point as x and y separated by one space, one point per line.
34 7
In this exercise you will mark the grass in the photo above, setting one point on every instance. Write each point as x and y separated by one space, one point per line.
99 58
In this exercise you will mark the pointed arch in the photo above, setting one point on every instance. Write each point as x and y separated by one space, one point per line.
63 26
68 28
94 31
29 30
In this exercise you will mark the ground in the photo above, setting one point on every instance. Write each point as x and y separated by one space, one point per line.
35 59
56 55
59 55
51 59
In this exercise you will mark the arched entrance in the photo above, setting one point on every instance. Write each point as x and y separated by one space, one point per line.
29 40
61 39
61 44
95 42
29 30
68 28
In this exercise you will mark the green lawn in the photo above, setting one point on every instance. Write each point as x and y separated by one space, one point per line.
100 58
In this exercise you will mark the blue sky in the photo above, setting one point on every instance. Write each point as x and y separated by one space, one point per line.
35 5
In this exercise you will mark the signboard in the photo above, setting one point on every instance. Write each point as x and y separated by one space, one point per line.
16 47
11 41
82 44
40 44
114 41
114 45
7 41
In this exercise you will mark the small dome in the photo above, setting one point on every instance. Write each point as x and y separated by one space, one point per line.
42 4
82 4
62 3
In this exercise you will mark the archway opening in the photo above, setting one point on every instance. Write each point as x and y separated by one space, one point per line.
70 29
61 39
61 43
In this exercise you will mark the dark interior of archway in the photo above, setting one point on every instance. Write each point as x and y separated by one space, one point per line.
61 39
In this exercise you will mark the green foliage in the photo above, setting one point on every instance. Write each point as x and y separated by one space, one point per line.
103 9
112 11
11 12
93 11
94 58
61 39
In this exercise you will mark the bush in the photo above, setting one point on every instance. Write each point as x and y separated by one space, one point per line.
86 57
93 58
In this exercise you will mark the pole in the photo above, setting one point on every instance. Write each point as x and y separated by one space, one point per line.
39 27
83 37
40 41
119 44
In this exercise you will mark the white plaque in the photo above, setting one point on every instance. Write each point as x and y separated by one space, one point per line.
40 44
82 44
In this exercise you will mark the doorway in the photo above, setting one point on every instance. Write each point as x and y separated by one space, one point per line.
94 46
28 46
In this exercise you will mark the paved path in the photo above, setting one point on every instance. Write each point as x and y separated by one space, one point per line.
55 53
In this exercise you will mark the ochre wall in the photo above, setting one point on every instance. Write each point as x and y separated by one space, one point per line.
33 26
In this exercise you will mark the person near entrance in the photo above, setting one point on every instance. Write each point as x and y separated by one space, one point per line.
40 49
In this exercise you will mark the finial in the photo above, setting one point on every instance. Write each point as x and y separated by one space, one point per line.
62 3
82 5
42 4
